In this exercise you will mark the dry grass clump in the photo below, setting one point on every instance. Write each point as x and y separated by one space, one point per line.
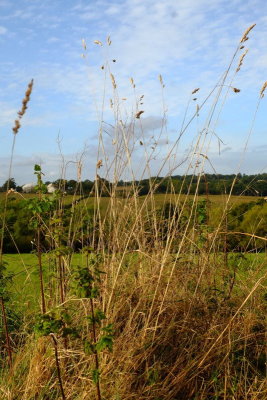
168 356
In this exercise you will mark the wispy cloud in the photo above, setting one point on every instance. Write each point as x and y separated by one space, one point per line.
53 39
3 30
189 42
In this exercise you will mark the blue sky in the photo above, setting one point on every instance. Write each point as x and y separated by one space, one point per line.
188 42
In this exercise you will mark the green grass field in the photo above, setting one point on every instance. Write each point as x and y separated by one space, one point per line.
25 287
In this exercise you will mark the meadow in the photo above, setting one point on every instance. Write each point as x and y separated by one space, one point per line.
152 297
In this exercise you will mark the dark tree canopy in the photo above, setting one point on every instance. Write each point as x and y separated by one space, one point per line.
9 184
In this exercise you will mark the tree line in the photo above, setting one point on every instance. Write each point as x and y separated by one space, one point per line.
214 184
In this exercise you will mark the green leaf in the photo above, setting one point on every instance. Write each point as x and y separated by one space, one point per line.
98 317
47 324
108 329
89 348
70 332
95 375
105 342
66 317
37 168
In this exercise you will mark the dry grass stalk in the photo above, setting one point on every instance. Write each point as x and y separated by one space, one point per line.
79 171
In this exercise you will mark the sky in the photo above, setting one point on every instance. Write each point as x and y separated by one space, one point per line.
62 45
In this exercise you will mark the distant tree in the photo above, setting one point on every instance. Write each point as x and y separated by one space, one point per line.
87 186
9 184
60 184
71 186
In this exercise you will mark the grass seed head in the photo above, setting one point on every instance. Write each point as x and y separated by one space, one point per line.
245 35
161 80
26 100
20 113
132 82
138 114
84 44
113 81
16 126
99 164
263 89
241 60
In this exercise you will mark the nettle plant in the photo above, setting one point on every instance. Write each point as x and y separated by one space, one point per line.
40 207
56 324
88 284
59 323
201 222
61 252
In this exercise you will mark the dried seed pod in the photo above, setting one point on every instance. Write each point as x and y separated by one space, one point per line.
99 164
98 42
138 114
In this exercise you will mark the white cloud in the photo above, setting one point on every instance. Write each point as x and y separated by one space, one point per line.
7 113
53 39
5 3
3 30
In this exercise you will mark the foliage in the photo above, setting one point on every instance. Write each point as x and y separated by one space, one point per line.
5 281
9 184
